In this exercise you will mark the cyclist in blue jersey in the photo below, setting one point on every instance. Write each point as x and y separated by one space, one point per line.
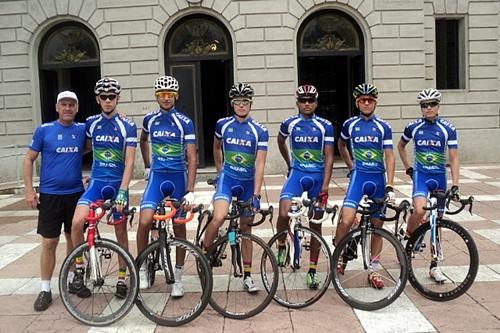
309 168
114 140
173 142
370 140
240 149
431 135
61 144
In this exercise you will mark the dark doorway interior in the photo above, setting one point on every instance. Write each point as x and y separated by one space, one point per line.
334 77
215 82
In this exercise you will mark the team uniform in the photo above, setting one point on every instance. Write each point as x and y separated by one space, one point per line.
169 133
240 143
430 141
308 138
60 174
368 138
110 138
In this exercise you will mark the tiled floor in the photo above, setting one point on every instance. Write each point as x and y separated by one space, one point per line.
477 311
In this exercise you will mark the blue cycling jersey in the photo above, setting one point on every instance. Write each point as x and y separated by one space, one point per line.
308 138
430 140
240 142
169 133
110 137
61 148
368 139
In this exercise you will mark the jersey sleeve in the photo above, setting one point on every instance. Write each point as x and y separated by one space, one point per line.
37 140
189 135
387 139
145 124
88 124
344 133
263 140
218 129
407 133
452 138
131 140
329 135
284 128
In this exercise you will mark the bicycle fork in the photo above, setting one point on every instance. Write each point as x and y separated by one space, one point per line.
235 253
165 255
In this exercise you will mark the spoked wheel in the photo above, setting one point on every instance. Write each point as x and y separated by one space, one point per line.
230 296
457 263
354 271
157 302
296 287
101 307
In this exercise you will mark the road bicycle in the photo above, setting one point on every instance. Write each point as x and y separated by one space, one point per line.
226 257
102 259
301 284
354 261
161 257
447 269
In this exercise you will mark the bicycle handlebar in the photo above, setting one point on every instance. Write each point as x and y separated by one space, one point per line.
191 212
307 204
404 207
264 213
439 195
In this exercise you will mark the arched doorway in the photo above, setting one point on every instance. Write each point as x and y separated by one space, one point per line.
331 57
68 59
199 55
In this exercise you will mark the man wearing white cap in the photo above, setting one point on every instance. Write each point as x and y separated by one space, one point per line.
61 144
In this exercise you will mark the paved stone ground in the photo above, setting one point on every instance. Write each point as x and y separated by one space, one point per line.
477 311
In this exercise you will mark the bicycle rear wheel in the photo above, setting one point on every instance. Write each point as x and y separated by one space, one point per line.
157 303
102 307
351 270
458 264
229 296
293 290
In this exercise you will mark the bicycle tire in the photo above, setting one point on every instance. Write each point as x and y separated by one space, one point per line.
113 308
293 291
462 261
353 286
158 305
228 297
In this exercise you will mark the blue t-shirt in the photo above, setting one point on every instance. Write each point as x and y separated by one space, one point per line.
368 139
240 142
169 133
61 149
308 137
110 137
430 140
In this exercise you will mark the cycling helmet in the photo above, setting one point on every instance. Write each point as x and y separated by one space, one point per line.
108 85
429 95
241 90
306 90
166 83
365 89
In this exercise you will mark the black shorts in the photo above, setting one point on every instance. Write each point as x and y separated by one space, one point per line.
54 212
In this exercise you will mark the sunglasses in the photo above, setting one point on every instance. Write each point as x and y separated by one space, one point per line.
106 97
166 94
430 104
241 102
366 100
307 100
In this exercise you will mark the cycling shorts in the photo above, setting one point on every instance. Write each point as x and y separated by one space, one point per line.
423 183
56 210
161 185
229 187
364 183
299 182
100 190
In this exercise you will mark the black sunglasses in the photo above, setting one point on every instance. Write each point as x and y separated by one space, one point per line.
307 100
426 105
105 97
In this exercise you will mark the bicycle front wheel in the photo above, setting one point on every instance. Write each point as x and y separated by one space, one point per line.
102 307
456 261
352 267
297 288
233 296
156 301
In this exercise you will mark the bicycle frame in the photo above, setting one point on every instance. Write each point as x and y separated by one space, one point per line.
94 262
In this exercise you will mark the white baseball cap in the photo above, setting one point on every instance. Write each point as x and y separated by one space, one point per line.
67 94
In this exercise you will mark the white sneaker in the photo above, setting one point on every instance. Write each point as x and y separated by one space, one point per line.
436 274
249 285
178 289
143 277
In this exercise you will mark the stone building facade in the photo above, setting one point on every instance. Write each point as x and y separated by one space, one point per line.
402 46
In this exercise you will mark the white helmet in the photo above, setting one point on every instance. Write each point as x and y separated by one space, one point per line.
166 83
429 95
107 84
